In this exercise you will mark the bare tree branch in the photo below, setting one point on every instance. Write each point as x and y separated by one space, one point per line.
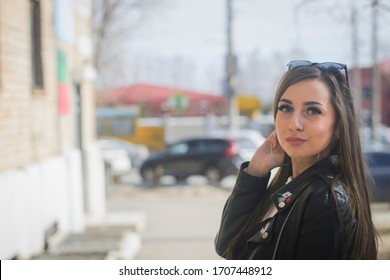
112 26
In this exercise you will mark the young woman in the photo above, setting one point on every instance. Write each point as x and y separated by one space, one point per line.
317 206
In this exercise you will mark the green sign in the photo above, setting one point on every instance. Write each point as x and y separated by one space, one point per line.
178 101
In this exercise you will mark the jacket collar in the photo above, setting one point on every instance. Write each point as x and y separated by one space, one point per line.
286 195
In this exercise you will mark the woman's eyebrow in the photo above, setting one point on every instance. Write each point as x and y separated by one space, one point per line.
307 103
313 103
285 101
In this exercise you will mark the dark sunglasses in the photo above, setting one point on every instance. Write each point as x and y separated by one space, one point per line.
322 65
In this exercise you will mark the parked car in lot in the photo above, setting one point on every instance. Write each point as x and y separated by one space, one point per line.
135 152
214 157
249 140
116 163
378 162
120 157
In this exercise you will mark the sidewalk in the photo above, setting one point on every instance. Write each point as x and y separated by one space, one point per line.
115 237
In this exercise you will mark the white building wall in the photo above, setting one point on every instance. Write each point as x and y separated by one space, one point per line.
41 168
95 184
34 198
76 192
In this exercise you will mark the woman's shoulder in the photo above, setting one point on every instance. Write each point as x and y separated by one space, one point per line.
331 191
341 195
327 178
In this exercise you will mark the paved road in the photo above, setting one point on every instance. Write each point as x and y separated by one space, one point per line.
182 220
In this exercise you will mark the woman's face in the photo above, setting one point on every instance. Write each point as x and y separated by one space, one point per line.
305 120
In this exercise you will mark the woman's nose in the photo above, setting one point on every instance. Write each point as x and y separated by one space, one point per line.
296 122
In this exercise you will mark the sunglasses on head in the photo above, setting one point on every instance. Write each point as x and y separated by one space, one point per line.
322 65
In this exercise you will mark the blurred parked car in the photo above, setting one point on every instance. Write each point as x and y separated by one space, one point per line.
382 137
116 162
379 166
249 140
135 152
214 157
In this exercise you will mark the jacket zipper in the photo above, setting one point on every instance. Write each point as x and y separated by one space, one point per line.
281 230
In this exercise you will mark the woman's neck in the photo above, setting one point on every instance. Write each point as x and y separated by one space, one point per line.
299 165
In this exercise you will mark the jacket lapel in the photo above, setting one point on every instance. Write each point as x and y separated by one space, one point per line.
286 195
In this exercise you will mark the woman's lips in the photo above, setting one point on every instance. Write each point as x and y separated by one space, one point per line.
295 141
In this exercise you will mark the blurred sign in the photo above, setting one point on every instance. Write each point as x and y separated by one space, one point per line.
63 86
178 102
64 20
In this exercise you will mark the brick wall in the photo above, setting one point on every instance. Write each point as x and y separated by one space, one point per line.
31 128
15 144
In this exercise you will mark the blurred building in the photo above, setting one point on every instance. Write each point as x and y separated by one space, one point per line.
51 173
155 115
157 101
384 90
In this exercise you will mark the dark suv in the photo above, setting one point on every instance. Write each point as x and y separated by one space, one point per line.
212 157
378 162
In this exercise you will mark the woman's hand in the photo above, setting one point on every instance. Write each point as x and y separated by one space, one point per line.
268 156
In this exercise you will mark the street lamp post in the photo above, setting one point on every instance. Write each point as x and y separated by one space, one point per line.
230 69
356 74
376 98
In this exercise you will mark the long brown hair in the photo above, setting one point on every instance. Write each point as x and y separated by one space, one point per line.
353 168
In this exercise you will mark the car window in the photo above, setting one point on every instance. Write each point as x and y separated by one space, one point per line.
216 145
197 146
207 145
378 159
178 149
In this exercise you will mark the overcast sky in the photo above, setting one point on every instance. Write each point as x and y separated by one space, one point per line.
320 29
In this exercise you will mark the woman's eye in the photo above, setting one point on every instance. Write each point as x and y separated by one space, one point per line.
285 108
314 111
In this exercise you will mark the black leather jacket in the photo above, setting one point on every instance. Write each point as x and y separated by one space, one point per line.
314 218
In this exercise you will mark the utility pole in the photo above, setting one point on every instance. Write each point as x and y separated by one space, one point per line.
230 69
375 79
356 76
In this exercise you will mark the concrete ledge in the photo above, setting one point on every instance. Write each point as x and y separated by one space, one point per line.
95 245
135 221
130 245
114 236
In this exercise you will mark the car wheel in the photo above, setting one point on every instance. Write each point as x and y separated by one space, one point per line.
180 179
152 175
213 174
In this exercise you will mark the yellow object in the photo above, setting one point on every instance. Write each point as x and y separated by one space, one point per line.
248 105
123 123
